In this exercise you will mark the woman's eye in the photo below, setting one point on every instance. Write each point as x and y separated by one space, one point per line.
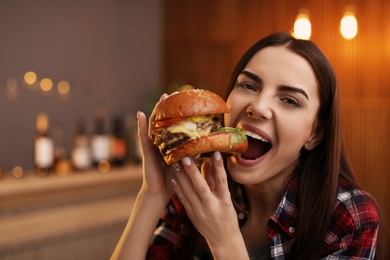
247 86
291 101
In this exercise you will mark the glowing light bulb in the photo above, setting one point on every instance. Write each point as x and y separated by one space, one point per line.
348 26
46 84
63 87
30 77
302 27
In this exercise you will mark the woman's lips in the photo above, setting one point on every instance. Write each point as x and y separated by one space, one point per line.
255 132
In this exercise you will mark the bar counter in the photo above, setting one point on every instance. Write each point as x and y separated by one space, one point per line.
75 216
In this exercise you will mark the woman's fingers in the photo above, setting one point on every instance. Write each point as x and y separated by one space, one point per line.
143 132
183 188
220 177
154 168
206 199
208 174
150 152
189 185
198 182
141 126
197 187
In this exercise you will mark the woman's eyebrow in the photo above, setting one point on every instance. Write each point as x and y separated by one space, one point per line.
281 88
294 89
251 75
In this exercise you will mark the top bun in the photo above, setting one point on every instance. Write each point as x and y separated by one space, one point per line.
187 103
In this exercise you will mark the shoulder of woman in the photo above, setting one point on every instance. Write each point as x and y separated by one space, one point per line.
356 207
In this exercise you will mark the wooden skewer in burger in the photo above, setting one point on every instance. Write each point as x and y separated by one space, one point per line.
188 123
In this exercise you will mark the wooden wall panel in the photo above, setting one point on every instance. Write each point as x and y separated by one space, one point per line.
198 64
366 132
211 36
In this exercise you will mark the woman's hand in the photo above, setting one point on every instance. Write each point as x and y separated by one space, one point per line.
208 204
155 170
150 201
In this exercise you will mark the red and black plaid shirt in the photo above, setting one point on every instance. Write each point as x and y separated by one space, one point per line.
351 235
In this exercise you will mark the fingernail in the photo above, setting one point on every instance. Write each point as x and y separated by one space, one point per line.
173 182
217 156
177 167
186 161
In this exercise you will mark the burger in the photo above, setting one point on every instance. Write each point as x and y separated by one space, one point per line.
188 123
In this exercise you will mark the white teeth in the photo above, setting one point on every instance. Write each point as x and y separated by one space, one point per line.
256 136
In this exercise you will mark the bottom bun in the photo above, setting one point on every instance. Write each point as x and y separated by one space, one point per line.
206 144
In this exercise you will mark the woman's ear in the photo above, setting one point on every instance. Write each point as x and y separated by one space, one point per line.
309 145
314 139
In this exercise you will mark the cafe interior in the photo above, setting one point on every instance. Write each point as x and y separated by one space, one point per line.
76 72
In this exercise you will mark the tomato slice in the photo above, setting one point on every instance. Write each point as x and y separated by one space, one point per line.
167 122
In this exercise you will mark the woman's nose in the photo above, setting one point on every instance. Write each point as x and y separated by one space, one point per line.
260 108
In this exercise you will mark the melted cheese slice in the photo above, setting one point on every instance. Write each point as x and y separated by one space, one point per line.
190 127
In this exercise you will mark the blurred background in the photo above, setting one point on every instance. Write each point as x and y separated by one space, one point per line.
109 53
99 61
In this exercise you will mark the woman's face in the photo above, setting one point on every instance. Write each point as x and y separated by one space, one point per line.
275 100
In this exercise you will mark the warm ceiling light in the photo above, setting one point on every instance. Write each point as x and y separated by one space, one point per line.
63 87
302 27
348 26
46 84
30 77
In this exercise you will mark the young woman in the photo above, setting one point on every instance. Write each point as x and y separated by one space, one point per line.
291 195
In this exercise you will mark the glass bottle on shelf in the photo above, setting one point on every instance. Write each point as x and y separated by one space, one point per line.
81 152
100 140
118 142
43 146
61 161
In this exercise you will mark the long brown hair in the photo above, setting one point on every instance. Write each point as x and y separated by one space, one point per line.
320 168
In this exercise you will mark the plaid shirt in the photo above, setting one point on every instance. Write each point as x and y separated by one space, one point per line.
351 235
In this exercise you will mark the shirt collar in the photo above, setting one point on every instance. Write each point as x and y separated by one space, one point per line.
284 217
286 214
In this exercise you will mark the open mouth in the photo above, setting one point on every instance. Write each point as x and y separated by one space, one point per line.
257 146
